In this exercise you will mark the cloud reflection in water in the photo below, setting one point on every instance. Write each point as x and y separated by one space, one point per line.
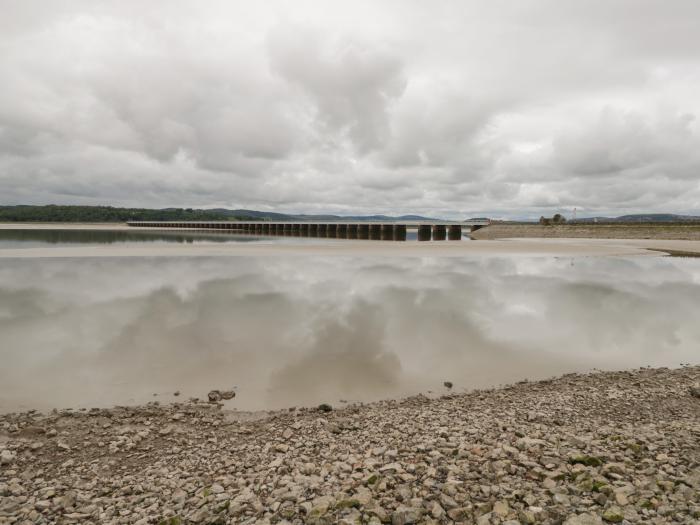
299 331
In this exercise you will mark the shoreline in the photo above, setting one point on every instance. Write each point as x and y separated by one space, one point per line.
578 449
522 246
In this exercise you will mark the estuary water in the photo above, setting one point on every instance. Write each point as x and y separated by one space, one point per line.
292 331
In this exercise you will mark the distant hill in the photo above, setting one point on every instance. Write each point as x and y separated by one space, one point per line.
54 213
641 218
273 216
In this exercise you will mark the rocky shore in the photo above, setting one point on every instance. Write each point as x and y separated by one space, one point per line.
613 447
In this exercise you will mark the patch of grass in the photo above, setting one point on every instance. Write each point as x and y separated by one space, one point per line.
597 485
348 504
589 461
174 520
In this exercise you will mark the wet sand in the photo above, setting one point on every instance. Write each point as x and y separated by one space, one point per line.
643 231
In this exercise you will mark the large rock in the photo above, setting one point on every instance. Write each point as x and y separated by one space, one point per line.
217 395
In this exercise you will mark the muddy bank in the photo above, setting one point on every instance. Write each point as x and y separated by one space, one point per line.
689 232
603 448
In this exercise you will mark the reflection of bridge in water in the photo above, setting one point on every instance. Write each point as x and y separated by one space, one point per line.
380 231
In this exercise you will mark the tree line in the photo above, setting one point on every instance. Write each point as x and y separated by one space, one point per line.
54 213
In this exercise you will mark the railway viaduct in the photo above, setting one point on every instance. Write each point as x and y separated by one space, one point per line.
384 231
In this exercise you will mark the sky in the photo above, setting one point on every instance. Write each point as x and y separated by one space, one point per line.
445 108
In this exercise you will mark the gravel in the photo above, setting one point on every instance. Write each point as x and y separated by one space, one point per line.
608 447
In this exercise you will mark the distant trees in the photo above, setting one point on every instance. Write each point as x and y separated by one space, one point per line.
557 218
53 213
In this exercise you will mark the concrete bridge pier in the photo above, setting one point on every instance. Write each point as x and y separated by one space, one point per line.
387 232
258 228
424 232
439 232
363 231
375 232
342 231
352 231
332 231
296 230
454 233
400 232
287 229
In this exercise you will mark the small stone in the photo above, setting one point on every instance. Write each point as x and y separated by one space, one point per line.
436 511
613 515
583 519
325 407
501 508
695 390
42 505
6 457
549 483
406 515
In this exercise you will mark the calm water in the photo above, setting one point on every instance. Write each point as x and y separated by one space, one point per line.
303 330
26 238
41 238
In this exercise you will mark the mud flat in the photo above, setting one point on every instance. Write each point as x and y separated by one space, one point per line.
609 447
688 232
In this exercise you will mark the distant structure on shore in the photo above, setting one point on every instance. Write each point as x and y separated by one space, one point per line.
557 218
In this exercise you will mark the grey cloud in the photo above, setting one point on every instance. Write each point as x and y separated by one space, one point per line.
619 141
351 84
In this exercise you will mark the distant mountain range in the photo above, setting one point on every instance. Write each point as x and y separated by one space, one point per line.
268 215
643 217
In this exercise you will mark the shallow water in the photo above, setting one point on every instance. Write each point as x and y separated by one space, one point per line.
37 238
28 238
303 330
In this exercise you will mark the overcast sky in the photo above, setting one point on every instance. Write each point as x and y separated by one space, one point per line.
447 108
